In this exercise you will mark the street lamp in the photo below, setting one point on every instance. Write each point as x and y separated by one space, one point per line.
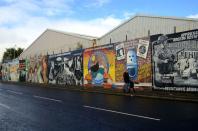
14 50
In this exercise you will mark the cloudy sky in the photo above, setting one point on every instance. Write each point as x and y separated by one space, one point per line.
22 21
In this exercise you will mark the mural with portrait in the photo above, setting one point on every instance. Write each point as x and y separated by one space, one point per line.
22 70
137 61
37 70
6 71
66 68
14 73
99 66
175 61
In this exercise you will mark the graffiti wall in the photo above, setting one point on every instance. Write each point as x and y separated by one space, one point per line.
175 61
66 68
22 71
36 69
99 66
135 57
5 71
13 67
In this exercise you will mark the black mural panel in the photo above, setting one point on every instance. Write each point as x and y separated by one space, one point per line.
175 61
66 68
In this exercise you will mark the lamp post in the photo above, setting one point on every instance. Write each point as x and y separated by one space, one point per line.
14 50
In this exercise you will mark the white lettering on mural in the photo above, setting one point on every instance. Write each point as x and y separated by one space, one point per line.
187 36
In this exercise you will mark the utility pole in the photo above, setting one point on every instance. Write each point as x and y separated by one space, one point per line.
14 50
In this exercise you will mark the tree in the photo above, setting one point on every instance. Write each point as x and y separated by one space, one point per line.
79 46
11 53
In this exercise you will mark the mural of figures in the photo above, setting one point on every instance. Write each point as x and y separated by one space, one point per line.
14 74
137 61
37 70
6 72
22 71
175 60
99 66
66 68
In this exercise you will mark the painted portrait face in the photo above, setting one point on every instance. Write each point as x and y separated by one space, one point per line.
131 57
132 63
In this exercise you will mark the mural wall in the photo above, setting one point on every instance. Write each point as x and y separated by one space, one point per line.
22 71
99 66
66 68
13 67
0 71
5 72
175 61
36 69
134 56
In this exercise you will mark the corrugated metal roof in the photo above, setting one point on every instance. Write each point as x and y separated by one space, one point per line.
150 16
74 34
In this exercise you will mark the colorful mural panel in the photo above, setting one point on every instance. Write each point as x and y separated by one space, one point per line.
99 66
14 73
66 68
0 71
5 71
175 61
22 71
37 70
137 60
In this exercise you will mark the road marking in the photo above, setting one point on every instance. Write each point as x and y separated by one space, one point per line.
140 116
5 106
15 92
46 98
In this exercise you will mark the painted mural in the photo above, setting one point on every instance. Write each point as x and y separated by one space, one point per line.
5 71
66 68
99 66
0 71
13 67
136 60
175 61
36 69
22 71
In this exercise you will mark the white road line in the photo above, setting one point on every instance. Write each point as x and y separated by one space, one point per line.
5 106
15 92
140 116
46 98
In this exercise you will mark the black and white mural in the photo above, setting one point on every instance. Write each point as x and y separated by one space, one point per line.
175 61
66 68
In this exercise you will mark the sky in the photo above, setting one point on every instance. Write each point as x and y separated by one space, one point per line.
22 21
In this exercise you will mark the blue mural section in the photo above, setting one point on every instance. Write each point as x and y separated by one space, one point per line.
132 64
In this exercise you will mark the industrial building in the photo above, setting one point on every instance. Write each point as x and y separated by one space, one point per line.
53 41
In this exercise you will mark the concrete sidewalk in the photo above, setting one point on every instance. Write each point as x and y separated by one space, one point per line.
144 92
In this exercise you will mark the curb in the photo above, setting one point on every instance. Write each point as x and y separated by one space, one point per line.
102 91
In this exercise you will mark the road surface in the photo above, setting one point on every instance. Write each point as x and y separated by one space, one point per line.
25 108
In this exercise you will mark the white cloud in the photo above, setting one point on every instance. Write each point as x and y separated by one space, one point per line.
20 24
193 16
25 34
128 15
97 3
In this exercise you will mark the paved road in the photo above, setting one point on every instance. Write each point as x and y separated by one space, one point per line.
41 109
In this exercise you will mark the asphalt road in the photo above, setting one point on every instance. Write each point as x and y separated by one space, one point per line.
25 108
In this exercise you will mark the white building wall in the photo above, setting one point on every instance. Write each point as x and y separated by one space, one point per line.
54 42
140 25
